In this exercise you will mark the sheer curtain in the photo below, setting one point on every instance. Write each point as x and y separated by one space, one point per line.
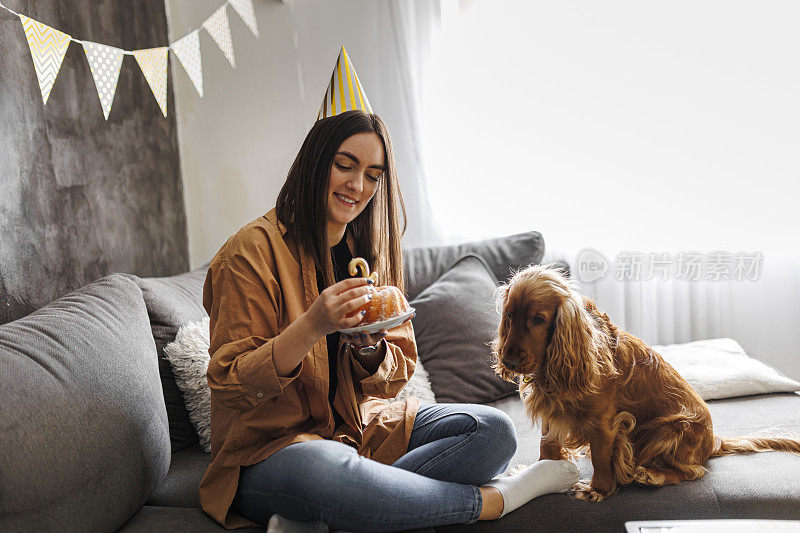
633 128
407 29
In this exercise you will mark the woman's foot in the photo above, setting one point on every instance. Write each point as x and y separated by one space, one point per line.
542 477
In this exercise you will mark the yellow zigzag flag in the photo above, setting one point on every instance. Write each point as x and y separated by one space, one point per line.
153 62
344 92
48 46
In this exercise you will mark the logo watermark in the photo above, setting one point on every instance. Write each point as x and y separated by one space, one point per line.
719 265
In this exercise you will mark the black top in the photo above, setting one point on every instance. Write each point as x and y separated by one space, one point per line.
341 257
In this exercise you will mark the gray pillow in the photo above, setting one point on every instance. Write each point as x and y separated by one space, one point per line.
172 302
455 321
83 428
423 266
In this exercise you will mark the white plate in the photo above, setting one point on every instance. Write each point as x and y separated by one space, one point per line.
377 326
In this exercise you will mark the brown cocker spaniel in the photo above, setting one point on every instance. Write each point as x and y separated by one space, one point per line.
592 384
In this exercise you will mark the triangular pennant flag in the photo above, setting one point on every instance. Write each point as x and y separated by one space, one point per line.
217 26
188 51
344 92
104 62
247 13
48 46
153 62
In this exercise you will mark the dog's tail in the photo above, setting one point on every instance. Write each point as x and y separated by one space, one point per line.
731 445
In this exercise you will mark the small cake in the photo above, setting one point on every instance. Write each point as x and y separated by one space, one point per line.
388 301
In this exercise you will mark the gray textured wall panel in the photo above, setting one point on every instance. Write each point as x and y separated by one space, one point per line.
80 197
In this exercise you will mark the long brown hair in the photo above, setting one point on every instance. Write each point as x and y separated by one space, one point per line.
302 200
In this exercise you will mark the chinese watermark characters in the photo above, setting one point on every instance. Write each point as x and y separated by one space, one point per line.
719 265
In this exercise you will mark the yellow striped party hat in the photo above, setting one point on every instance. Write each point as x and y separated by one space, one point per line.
345 92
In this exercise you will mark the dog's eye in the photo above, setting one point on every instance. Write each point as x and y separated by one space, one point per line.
536 320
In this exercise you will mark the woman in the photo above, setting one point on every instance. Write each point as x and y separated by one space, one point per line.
299 426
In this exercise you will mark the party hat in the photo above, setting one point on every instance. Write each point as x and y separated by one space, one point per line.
345 92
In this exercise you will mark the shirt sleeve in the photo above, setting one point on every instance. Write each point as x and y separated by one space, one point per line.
243 305
396 368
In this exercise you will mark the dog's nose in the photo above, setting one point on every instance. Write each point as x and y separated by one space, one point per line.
511 362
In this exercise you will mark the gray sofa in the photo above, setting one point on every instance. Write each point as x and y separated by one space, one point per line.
87 444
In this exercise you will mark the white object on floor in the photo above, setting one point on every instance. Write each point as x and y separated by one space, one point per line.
712 526
279 524
720 368
542 477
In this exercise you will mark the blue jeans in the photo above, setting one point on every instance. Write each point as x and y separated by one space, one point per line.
454 448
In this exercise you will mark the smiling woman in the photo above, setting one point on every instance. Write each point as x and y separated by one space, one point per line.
354 151
357 167
295 401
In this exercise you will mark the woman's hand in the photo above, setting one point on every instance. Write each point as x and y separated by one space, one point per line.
359 340
365 339
335 307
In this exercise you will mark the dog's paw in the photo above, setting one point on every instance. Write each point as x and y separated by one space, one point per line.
583 491
648 477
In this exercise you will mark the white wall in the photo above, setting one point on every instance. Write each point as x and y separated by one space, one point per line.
238 141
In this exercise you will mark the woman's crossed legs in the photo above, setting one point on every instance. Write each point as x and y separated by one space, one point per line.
454 448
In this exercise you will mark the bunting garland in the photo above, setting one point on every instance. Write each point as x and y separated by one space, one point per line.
153 63
188 51
247 13
105 62
48 47
217 26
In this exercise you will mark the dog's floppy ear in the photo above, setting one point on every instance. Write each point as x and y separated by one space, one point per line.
571 360
500 298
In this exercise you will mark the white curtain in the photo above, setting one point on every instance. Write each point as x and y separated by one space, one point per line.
625 126
760 310
404 51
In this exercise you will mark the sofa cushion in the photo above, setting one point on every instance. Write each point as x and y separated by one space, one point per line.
720 368
171 302
422 266
83 427
179 488
736 486
455 320
158 519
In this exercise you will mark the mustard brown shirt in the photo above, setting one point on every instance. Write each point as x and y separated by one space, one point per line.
257 284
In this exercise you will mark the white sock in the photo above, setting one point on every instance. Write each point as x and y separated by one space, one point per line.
542 477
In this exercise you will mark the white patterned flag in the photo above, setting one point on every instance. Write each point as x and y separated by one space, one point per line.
105 62
188 51
248 14
153 62
217 26
48 46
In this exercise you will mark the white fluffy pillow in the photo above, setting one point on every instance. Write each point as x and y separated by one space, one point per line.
188 355
720 368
